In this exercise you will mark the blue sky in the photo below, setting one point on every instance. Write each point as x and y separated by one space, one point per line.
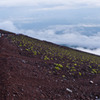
69 22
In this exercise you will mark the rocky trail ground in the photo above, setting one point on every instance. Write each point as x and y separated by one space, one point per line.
24 76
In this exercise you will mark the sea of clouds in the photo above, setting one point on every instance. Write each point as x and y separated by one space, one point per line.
61 34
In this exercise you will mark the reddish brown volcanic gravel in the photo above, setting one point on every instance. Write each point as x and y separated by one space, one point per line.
27 78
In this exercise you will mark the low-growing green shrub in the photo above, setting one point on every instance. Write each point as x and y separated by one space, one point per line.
46 58
57 68
59 65
80 73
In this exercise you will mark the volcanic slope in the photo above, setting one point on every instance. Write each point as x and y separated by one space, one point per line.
31 69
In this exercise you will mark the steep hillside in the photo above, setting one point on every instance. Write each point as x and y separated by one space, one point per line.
31 69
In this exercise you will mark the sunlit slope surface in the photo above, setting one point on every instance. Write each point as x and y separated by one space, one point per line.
61 60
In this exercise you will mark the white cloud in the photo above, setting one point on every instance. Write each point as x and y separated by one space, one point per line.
8 25
61 27
95 51
58 4
24 19
68 37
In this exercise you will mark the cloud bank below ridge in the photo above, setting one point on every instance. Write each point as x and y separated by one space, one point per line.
68 36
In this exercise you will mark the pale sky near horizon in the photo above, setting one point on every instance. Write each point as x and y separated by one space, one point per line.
50 3
43 10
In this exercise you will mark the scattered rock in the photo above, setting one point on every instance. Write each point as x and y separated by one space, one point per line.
97 98
24 61
96 84
14 95
91 82
69 90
